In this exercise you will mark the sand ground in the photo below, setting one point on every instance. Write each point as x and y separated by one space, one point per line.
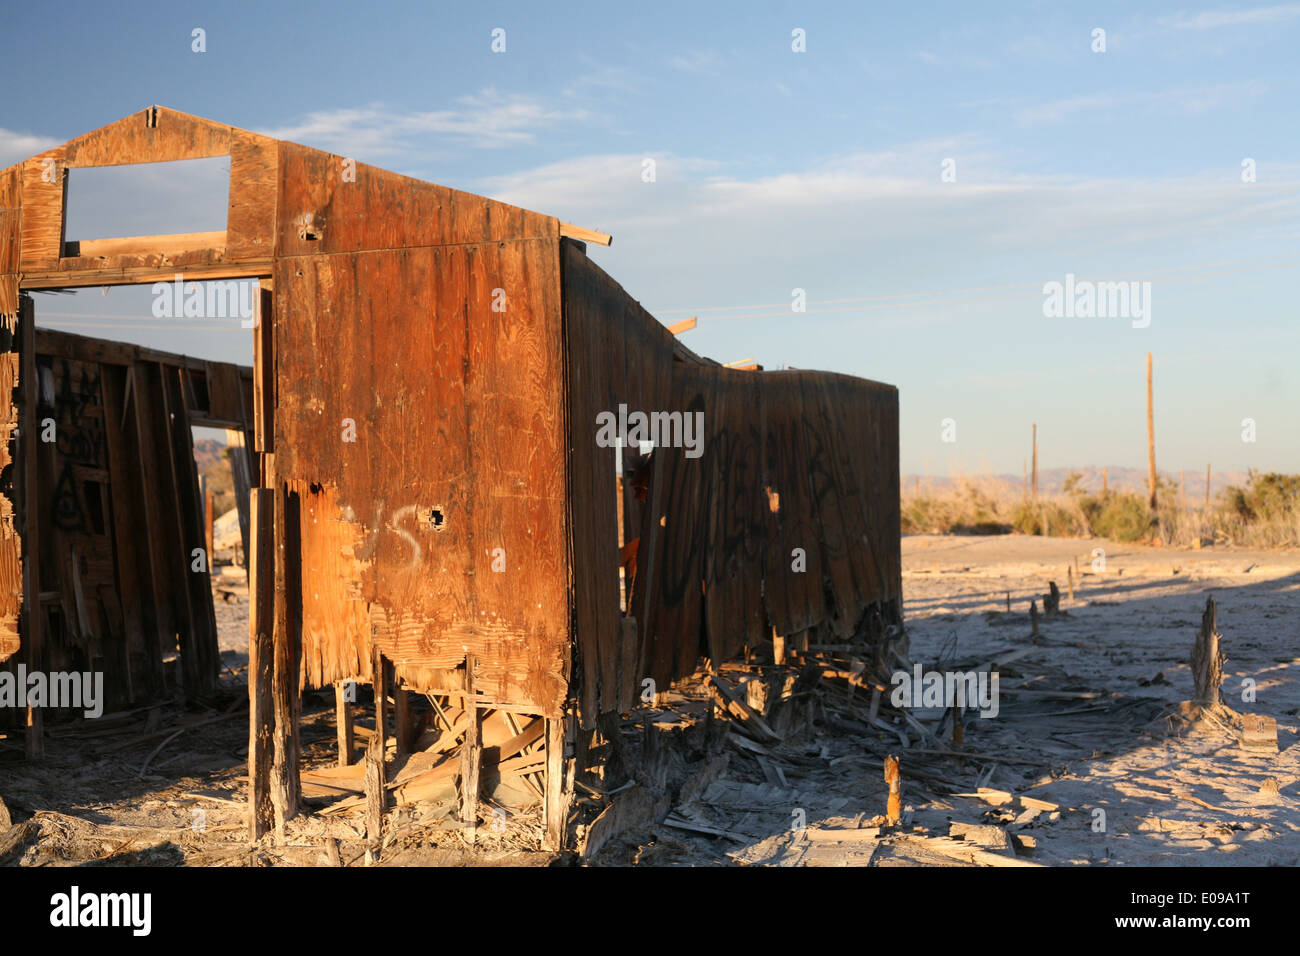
1079 728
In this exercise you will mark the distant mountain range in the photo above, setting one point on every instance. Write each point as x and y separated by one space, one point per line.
1051 481
208 451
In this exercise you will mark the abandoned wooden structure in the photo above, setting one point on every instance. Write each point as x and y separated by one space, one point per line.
105 487
432 496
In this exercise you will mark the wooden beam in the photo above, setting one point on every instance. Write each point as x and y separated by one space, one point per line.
401 716
343 723
32 615
144 659
685 325
471 753
145 245
241 472
208 519
261 616
264 374
142 275
554 804
379 684
740 362
158 569
375 785
586 235
286 783
196 603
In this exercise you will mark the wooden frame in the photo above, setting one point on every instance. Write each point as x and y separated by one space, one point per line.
428 365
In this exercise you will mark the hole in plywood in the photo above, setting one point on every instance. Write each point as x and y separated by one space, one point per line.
437 519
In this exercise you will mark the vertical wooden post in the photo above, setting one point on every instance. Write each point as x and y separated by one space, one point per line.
470 753
242 474
1182 488
343 723
778 648
286 784
1035 461
554 802
30 388
1151 439
379 684
1105 484
1207 486
401 714
261 616
375 787
1069 578
208 518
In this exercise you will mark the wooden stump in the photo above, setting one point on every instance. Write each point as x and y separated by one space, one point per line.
1052 601
1207 659
894 807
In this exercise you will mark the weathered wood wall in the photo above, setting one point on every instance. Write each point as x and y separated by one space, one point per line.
792 462
419 419
119 512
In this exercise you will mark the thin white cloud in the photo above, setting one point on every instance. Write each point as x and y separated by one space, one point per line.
487 120
1216 19
1190 100
860 211
697 61
15 147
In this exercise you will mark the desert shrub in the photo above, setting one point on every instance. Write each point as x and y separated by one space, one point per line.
1047 516
1120 516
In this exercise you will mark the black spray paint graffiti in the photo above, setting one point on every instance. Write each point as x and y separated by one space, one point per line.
79 441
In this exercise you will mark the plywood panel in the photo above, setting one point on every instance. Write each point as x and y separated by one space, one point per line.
153 135
254 191
795 596
457 451
44 184
10 192
593 314
327 206
225 391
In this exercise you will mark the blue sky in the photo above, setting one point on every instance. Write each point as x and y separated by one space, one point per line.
819 170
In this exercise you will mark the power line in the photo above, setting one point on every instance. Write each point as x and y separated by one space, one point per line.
976 293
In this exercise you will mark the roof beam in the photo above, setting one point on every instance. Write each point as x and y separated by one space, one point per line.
586 235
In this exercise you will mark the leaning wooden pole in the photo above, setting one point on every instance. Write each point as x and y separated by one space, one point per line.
1151 440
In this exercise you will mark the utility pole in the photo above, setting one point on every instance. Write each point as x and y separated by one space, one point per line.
1035 486
1151 439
